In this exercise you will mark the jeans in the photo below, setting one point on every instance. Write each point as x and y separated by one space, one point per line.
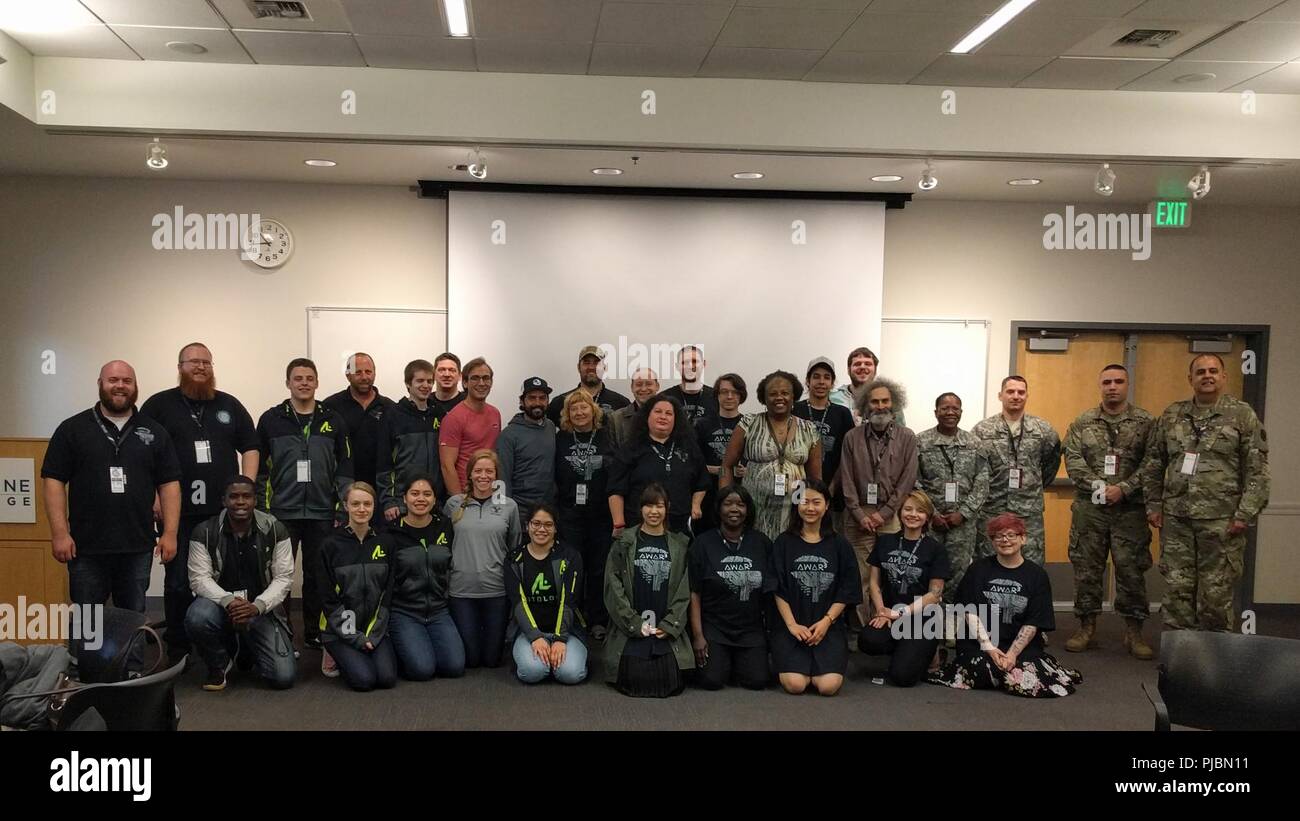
482 626
365 670
177 595
125 576
216 640
573 670
425 649
311 533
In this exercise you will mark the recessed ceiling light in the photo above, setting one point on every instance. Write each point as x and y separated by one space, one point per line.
748 175
457 18
186 47
607 172
1199 77
1024 181
991 25
886 178
320 163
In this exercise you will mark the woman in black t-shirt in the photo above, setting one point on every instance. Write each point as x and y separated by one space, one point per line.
731 577
817 577
1009 607
908 569
584 454
662 450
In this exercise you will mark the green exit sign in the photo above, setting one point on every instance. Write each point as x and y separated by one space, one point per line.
1171 213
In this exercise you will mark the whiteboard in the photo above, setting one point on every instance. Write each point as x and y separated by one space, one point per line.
392 336
933 356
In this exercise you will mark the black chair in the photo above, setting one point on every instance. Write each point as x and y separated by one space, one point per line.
1227 681
146 703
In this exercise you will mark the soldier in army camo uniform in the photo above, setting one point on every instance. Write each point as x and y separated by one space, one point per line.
1206 480
1104 449
1023 453
952 470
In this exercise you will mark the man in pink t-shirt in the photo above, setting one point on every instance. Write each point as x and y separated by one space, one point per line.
470 426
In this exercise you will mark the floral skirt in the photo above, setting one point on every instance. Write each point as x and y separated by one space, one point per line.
1043 677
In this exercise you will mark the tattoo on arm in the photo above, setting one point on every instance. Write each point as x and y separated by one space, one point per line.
976 626
1023 638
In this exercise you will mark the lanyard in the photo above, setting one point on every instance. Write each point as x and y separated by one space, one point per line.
582 455
952 465
306 428
789 434
820 422
197 416
667 460
115 440
1015 441
876 458
1199 430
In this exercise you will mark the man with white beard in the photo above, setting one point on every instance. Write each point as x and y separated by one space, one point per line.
877 470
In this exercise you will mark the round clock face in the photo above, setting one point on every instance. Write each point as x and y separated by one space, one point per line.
267 244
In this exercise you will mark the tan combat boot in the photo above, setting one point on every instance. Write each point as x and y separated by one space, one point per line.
1081 640
1133 642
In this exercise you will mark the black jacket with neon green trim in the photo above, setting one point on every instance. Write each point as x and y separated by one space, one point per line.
285 441
566 565
408 443
422 571
356 586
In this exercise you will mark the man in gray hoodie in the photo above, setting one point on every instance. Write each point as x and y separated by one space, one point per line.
526 448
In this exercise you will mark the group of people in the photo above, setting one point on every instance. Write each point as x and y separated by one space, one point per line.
684 538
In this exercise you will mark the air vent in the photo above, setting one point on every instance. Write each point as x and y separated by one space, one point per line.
278 10
1153 38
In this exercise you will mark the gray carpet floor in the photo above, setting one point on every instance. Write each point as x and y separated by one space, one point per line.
1110 698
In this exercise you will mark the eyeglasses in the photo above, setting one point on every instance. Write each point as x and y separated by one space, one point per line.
479 378
194 363
542 525
1006 537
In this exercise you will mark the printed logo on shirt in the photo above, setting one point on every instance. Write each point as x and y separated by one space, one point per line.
813 577
442 539
223 416
583 456
377 553
540 586
739 574
1005 594
145 435
652 565
326 428
900 566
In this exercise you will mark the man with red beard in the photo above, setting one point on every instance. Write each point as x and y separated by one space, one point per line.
101 472
214 439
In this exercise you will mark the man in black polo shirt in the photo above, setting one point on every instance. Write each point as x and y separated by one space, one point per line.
591 375
101 471
361 406
696 397
214 439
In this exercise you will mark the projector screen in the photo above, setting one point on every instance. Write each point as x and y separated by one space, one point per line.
759 285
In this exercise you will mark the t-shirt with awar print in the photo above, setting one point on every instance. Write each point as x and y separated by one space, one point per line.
733 580
651 569
1022 595
811 576
907 566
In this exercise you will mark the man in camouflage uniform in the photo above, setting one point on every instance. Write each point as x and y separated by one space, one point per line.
952 470
1023 453
1206 480
1104 448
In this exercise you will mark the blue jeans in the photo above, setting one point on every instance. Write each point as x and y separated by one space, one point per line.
125 576
365 670
482 627
216 640
573 670
427 648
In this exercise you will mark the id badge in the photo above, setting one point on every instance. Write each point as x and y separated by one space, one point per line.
778 486
873 493
950 492
241 594
580 494
1111 465
117 479
1013 478
304 470
1189 463
203 452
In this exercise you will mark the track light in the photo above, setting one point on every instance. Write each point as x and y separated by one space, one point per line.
157 156
1199 184
1105 183
477 167
928 181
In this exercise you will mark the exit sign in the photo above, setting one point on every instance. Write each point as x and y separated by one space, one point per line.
1171 213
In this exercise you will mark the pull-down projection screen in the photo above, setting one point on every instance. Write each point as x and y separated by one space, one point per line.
757 284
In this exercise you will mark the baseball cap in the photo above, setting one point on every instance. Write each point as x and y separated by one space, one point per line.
534 383
820 362
591 350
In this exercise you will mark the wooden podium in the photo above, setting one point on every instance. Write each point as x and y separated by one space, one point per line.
27 568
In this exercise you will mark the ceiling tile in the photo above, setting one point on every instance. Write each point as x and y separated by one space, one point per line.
661 24
1088 73
403 18
774 28
727 3
173 13
1203 9
981 8
870 67
564 21
759 63
1285 79
530 57
1040 36
96 41
326 15
1288 12
301 48
1081 8
1102 43
1259 41
979 70
929 33
642 60
150 42
1227 75
843 5
433 53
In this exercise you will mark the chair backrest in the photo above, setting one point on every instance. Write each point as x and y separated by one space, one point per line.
146 703
1228 681
127 645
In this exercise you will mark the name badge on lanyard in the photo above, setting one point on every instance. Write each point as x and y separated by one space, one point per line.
950 491
117 479
203 452
580 494
1013 478
1189 463
873 493
1111 466
778 486
304 470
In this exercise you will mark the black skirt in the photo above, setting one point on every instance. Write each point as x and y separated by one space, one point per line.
789 655
652 677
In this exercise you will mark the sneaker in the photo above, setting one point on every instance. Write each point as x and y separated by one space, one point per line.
216 680
313 642
328 667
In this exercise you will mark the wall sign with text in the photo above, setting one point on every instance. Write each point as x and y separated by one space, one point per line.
18 491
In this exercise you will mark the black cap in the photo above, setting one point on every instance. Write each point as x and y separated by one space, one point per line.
534 383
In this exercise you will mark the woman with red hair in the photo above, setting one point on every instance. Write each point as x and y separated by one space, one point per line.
1006 605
